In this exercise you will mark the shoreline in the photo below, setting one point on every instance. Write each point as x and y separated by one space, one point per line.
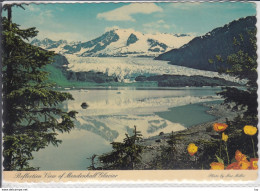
135 86
197 133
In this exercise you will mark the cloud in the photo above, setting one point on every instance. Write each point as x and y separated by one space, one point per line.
111 28
45 15
154 26
32 8
185 5
160 21
125 13
40 18
44 21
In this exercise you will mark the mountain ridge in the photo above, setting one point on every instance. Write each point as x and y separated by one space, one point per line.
117 43
219 41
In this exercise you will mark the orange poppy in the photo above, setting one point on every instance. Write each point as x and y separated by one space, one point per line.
244 165
219 127
254 163
233 166
241 164
217 166
240 156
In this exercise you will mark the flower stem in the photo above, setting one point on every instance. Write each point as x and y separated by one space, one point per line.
196 162
227 153
253 146
220 145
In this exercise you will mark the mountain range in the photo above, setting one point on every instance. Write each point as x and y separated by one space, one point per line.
117 43
220 41
79 62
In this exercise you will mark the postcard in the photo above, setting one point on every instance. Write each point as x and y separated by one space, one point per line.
129 91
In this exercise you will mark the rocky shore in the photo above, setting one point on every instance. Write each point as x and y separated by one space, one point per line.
202 134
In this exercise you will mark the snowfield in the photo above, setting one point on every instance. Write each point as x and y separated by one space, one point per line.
128 68
142 46
118 42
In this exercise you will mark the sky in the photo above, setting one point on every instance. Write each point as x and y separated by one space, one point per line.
86 21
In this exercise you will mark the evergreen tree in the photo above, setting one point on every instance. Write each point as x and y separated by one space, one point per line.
243 65
168 159
126 155
32 116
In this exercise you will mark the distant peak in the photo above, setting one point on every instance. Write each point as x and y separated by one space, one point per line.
47 39
35 40
123 30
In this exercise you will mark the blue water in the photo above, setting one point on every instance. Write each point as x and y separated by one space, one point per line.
114 112
188 115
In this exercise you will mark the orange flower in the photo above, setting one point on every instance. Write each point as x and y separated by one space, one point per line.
250 130
254 163
244 165
219 127
241 164
217 166
239 156
192 149
233 166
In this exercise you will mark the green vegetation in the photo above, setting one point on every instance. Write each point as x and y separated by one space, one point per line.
166 159
31 114
124 156
56 76
243 64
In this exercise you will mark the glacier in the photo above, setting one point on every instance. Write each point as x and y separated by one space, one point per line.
126 69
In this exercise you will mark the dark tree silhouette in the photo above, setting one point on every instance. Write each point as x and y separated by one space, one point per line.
32 116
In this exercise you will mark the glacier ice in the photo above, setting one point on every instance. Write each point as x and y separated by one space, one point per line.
126 69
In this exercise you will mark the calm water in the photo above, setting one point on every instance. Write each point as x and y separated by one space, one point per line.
114 112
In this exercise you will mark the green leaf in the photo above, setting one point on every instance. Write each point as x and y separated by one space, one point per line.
220 160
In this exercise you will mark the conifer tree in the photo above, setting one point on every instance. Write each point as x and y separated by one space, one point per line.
168 153
32 115
243 65
126 155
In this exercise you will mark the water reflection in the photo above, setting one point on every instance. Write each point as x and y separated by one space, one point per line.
110 115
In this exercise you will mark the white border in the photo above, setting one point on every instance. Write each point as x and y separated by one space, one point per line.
200 185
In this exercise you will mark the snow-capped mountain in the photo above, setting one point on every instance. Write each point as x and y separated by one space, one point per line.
118 42
48 43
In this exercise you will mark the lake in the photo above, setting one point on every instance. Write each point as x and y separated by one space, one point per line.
112 112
